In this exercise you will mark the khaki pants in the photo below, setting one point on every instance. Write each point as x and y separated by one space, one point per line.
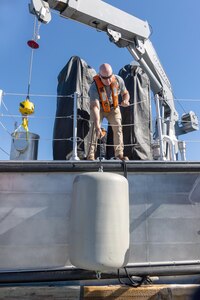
114 118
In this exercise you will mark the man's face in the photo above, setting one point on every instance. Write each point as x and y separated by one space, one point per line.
106 78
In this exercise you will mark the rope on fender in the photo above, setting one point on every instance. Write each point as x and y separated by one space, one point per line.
124 166
134 283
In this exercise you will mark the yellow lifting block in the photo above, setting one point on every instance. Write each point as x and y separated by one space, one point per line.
26 107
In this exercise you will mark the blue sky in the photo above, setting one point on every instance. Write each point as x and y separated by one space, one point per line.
176 38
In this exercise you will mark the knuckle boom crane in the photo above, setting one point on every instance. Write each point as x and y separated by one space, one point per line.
132 33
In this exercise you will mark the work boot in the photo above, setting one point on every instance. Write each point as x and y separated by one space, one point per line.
90 157
121 157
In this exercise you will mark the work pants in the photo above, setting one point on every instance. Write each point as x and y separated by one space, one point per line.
114 118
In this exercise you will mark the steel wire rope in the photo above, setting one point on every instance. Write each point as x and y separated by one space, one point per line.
85 97
79 139
34 117
168 84
179 103
35 37
71 116
5 128
9 134
39 95
4 105
79 118
4 151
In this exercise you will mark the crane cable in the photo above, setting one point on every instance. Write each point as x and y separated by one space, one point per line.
33 45
26 107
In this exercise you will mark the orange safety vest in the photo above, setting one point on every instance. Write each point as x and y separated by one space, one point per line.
103 95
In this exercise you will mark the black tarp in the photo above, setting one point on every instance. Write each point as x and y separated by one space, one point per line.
137 136
76 76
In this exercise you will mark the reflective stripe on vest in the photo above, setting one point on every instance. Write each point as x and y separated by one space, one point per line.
103 95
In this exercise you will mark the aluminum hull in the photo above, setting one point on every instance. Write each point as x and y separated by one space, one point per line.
35 200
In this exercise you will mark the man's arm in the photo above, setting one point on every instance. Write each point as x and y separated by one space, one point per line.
95 108
125 99
123 91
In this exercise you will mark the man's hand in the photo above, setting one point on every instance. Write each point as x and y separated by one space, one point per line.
125 99
99 132
125 103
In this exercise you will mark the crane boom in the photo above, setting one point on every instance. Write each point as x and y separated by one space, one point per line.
132 33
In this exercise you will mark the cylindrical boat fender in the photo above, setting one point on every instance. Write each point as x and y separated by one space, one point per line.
99 221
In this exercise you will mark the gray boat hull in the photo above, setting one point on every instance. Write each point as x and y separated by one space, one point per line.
35 199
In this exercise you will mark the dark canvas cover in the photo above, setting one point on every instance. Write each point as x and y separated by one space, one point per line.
76 76
137 129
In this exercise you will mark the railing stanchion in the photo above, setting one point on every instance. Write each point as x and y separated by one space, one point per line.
74 153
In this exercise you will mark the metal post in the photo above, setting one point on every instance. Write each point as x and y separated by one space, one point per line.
182 149
159 124
74 153
170 144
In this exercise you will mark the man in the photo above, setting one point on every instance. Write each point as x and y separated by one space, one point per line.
104 93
